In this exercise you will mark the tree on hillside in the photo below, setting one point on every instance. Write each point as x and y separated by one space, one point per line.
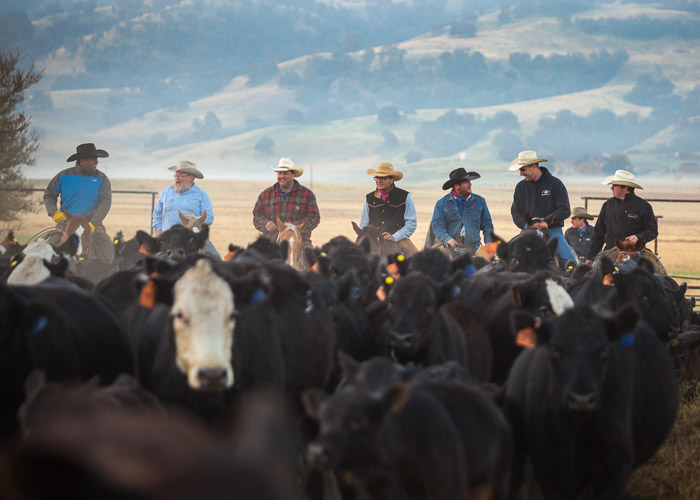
18 142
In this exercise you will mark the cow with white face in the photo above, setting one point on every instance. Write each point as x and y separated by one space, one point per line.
29 268
203 321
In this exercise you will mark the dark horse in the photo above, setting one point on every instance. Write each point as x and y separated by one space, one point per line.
377 243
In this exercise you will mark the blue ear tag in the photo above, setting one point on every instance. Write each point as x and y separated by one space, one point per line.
309 304
626 339
38 325
257 296
469 269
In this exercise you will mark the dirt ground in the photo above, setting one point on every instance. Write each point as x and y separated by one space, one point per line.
339 204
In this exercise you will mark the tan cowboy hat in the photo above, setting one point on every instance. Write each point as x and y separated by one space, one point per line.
187 167
385 170
87 151
524 159
581 212
287 165
622 178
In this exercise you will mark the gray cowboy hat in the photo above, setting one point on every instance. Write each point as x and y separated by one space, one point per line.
459 175
581 212
87 150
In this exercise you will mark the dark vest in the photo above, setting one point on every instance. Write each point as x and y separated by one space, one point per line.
387 214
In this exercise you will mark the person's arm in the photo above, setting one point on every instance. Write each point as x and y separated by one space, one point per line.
259 218
598 238
364 218
562 209
157 222
105 202
516 210
437 224
51 196
410 221
650 228
205 204
486 224
311 217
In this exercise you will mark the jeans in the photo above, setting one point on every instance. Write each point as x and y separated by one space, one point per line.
563 249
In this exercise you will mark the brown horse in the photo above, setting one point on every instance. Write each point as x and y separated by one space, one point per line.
377 243
80 225
292 235
192 222
627 249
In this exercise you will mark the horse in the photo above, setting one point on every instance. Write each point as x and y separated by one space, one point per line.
80 225
626 250
192 222
292 235
377 243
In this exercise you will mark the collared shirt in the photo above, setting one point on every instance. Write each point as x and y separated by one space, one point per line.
194 201
410 219
81 193
450 221
296 206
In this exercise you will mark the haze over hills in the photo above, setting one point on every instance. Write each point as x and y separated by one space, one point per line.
341 86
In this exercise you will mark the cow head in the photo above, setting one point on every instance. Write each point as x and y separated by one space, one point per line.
577 346
528 252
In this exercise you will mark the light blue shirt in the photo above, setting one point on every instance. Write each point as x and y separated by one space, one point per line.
410 219
192 202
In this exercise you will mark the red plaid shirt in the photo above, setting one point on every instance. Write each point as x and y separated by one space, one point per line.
297 206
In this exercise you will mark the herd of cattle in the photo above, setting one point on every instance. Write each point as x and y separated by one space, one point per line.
167 374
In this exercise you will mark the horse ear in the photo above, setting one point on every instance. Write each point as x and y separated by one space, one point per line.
300 227
356 228
280 224
528 219
366 246
183 219
376 230
203 217
618 243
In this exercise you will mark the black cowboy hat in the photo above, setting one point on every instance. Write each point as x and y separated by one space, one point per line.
87 151
459 175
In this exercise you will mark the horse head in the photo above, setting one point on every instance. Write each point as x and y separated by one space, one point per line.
192 222
292 235
627 249
79 225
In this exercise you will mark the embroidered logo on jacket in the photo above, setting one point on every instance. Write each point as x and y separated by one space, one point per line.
633 216
546 192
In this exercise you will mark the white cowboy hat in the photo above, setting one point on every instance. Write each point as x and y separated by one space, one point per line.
622 178
287 165
524 159
187 167
385 170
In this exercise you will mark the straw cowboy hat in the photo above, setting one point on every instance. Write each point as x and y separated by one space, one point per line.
581 212
287 165
87 151
524 159
187 167
385 170
459 175
622 178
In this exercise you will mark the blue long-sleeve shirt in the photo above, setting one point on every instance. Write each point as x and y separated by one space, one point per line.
192 202
410 219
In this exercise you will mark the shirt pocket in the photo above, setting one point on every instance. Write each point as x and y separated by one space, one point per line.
452 215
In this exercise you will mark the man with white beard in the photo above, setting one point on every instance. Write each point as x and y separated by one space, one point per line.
183 196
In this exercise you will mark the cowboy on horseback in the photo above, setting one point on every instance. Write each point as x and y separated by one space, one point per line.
390 208
461 215
83 190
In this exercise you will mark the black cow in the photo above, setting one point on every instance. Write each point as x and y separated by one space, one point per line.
484 431
60 329
593 400
397 443
176 243
529 252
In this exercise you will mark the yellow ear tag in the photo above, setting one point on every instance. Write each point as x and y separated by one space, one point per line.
13 263
324 254
526 338
116 242
608 280
400 257
147 299
14 240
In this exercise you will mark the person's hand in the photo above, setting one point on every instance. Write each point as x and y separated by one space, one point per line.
58 217
633 238
270 226
540 225
92 227
588 263
158 233
388 237
451 243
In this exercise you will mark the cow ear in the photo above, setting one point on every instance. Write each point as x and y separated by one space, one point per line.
70 246
284 248
646 265
449 289
202 236
356 228
311 400
57 267
395 397
527 329
623 321
503 250
347 286
365 245
552 246
348 366
605 268
148 242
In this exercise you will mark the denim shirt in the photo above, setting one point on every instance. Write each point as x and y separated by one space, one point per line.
447 220
192 202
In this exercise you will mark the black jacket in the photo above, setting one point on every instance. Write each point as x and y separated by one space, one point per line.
580 244
540 198
623 218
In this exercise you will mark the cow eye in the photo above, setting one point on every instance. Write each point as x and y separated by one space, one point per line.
180 317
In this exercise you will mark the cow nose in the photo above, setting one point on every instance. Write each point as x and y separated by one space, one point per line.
318 455
177 255
581 402
212 378
401 340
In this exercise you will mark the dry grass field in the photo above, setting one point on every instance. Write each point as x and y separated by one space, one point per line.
679 227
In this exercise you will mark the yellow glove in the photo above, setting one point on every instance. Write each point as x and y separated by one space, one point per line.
58 217
92 228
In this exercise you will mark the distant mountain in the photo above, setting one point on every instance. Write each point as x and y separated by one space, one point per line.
340 86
